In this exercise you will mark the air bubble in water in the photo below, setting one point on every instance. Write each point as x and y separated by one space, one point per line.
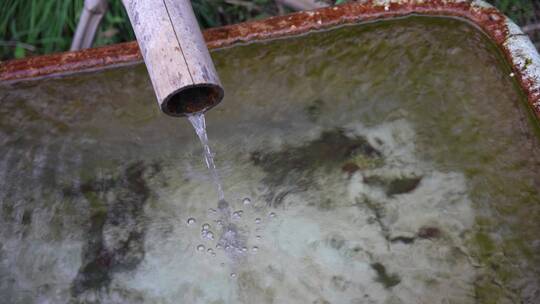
233 275
206 226
255 249
272 214
258 237
191 221
246 201
200 248
244 249
237 214
257 221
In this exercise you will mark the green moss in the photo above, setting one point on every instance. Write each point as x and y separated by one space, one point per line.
393 186
27 217
365 162
295 167
96 204
487 293
314 110
514 246
485 244
482 221
528 61
386 279
326 205
472 171
249 281
7 209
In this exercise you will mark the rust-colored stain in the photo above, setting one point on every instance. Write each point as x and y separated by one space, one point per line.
490 20
70 62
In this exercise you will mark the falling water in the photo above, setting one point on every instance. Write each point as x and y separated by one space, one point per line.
229 239
199 124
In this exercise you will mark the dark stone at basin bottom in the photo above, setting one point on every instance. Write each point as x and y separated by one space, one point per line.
125 215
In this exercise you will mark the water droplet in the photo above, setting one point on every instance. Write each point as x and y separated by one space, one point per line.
200 248
233 275
206 226
191 221
255 249
257 221
244 249
258 237
237 214
272 214
246 201
210 250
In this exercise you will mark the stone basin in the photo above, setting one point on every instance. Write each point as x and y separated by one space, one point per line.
379 152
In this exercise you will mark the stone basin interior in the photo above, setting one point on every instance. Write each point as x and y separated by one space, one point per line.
386 162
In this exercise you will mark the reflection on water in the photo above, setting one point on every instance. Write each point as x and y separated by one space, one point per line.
384 163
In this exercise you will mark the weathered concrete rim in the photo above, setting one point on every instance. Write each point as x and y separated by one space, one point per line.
516 46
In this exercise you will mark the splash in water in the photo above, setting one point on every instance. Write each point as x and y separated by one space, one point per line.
230 239
199 124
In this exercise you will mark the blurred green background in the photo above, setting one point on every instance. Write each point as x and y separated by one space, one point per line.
34 27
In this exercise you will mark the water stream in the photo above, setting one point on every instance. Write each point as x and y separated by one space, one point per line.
229 239
199 124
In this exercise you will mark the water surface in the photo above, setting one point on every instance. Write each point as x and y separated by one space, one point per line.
390 162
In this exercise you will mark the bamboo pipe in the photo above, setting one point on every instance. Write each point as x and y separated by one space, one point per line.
303 5
180 67
93 12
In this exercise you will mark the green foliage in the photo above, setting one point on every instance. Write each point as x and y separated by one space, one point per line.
211 13
518 10
29 27
33 27
114 27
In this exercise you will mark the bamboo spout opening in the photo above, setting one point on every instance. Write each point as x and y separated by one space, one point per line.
178 62
192 99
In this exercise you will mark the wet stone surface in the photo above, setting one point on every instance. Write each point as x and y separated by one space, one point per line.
396 158
116 233
295 167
